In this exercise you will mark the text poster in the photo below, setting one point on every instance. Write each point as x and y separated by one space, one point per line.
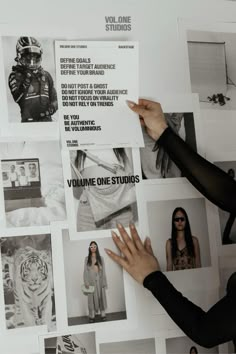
94 80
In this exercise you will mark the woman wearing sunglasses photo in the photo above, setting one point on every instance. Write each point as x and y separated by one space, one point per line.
182 249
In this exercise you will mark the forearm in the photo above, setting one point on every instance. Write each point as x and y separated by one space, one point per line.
183 312
211 181
209 329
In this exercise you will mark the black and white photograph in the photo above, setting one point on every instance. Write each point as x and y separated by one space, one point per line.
227 221
184 345
138 346
32 181
19 176
94 284
179 233
104 191
28 285
212 68
81 343
155 162
29 67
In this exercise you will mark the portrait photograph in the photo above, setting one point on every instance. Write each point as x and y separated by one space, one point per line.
179 233
29 67
94 283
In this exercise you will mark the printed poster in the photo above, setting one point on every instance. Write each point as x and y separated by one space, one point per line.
94 80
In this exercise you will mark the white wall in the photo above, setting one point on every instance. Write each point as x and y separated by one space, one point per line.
74 255
160 216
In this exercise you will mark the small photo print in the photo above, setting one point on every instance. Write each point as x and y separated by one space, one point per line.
82 343
227 221
179 233
213 68
21 178
94 283
103 188
139 346
28 281
32 181
184 345
155 162
30 79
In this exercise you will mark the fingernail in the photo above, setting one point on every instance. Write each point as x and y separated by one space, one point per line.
107 251
114 234
148 240
131 225
119 226
130 104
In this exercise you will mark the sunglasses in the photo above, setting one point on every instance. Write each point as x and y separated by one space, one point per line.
181 218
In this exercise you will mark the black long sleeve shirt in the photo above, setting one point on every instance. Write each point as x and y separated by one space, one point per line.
218 325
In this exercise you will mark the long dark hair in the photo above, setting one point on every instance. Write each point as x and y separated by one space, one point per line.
187 234
81 156
98 257
193 347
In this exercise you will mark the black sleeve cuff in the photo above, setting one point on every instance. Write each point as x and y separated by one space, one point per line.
164 136
152 279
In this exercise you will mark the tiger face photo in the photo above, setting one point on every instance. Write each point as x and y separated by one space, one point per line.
28 281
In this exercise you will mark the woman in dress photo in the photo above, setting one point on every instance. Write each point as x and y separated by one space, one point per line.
95 276
182 250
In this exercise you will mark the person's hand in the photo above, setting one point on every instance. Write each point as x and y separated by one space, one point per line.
151 116
138 258
27 80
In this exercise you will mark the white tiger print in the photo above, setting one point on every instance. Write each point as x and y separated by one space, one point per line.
33 287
